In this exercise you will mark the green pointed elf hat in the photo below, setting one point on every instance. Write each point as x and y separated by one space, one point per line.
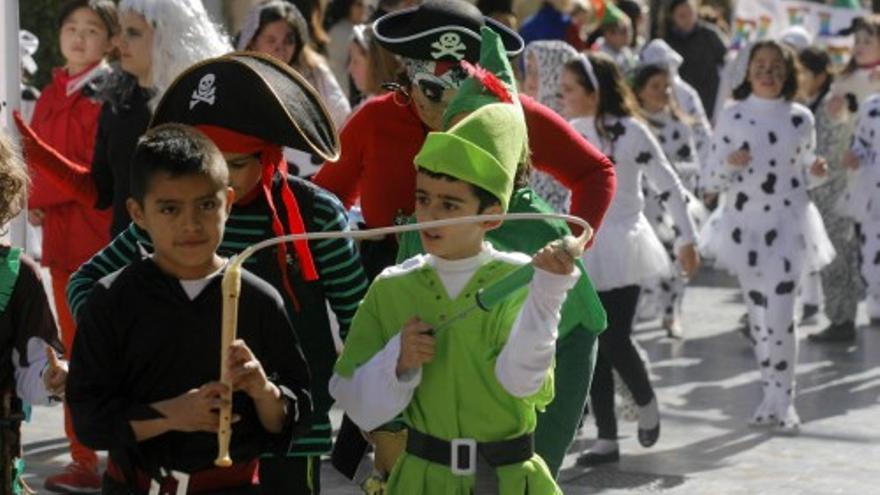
486 146
607 12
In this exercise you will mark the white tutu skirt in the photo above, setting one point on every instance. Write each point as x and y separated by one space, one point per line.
750 241
626 253
661 220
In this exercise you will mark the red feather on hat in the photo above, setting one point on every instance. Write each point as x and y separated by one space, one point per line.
489 80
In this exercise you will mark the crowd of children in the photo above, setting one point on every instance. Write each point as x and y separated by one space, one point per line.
157 153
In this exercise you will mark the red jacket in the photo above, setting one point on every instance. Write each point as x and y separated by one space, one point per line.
72 233
381 139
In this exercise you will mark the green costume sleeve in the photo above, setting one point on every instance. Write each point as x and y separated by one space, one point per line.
365 337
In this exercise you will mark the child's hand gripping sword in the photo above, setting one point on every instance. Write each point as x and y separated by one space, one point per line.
485 299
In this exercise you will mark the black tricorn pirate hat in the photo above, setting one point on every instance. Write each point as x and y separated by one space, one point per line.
251 94
446 30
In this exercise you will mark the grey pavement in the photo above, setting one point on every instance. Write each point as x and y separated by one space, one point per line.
707 385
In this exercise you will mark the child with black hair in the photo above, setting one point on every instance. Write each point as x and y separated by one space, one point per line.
626 253
147 391
652 85
768 232
269 202
469 387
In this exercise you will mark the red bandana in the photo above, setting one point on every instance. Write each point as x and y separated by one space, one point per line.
272 160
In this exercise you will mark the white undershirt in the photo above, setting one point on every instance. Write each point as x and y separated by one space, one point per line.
195 287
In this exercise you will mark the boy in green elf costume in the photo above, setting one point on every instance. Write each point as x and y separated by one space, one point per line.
470 390
583 317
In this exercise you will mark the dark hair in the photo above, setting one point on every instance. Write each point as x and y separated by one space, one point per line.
177 150
484 197
789 87
314 13
674 4
640 80
104 9
284 12
817 61
489 7
337 10
869 24
615 97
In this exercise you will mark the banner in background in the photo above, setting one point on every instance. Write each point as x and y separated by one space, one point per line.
759 19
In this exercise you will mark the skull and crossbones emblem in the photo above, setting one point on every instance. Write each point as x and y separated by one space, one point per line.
205 92
448 44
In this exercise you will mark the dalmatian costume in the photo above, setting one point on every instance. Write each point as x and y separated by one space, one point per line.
658 52
627 251
767 232
550 56
677 141
864 202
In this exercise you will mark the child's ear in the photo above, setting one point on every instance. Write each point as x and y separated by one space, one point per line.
492 210
135 211
230 199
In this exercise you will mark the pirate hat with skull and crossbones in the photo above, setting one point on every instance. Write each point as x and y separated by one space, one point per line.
255 95
441 30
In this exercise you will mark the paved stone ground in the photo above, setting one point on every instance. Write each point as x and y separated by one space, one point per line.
707 386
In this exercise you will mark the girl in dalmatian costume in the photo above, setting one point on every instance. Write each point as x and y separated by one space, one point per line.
674 130
864 159
543 62
658 52
859 81
767 231
626 252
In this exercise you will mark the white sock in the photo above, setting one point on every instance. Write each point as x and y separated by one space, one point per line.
603 446
649 415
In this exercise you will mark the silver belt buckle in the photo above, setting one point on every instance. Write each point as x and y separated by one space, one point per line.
181 478
463 458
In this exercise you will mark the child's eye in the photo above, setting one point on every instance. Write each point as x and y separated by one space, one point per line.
210 204
168 210
449 206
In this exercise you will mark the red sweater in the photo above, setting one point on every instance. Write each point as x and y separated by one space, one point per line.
381 139
72 233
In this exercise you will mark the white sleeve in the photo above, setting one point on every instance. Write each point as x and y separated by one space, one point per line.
374 395
333 96
716 173
527 355
661 174
29 384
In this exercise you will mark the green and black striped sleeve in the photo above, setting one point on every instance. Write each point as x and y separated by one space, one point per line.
121 251
337 261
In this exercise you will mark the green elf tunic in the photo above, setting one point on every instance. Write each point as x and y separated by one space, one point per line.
460 393
583 319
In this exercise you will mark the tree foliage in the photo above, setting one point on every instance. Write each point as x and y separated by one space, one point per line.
40 18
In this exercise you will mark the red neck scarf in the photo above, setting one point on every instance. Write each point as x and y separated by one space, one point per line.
272 161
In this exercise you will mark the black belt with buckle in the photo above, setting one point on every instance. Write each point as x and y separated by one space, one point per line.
460 454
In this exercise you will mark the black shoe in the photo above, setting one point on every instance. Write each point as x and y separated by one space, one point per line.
648 438
746 332
842 332
809 313
593 459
